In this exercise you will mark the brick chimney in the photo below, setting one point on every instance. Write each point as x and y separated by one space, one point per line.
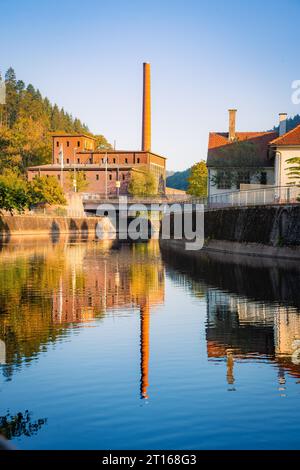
232 119
282 123
146 125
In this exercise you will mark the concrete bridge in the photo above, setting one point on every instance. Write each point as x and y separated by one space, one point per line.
92 201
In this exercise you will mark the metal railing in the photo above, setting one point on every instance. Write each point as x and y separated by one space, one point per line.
252 197
167 198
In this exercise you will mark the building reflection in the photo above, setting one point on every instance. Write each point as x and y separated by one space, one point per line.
253 308
54 288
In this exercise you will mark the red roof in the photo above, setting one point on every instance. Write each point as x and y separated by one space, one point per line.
218 140
290 138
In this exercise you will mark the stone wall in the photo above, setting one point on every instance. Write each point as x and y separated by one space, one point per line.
38 225
276 226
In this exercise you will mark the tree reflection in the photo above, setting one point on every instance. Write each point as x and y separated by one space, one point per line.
20 424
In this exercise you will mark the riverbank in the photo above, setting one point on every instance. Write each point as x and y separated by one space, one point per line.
52 226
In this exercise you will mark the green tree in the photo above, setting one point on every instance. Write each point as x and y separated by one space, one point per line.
235 161
142 184
12 199
198 180
47 190
150 184
294 171
102 143
25 123
136 185
80 178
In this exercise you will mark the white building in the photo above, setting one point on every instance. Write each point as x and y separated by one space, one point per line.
256 164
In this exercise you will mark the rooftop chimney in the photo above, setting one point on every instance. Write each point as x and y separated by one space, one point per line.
146 132
232 117
282 123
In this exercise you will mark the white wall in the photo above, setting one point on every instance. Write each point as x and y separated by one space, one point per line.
282 155
214 190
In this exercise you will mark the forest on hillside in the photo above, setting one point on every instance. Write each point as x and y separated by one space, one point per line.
26 120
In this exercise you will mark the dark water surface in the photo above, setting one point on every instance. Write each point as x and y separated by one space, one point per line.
107 346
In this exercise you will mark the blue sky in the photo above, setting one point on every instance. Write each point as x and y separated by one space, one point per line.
206 56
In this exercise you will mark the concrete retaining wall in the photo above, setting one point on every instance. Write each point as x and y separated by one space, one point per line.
276 226
37 225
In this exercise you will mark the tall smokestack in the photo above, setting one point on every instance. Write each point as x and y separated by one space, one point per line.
232 119
282 123
146 132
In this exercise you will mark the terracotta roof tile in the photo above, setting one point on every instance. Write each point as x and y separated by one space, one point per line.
218 140
290 138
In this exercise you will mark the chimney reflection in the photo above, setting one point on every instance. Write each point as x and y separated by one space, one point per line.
230 365
145 349
116 279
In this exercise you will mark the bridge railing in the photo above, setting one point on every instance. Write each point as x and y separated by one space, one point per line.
252 197
168 198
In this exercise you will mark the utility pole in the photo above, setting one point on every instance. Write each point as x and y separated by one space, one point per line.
74 178
106 175
61 158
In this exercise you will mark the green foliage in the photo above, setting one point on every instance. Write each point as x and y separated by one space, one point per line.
240 154
294 171
179 180
12 199
236 162
142 184
198 180
25 123
102 143
47 190
80 178
17 194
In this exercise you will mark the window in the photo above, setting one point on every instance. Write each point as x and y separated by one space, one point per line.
138 160
97 177
78 143
123 176
263 177
223 180
126 160
243 178
57 144
110 177
68 160
114 160
91 160
78 160
68 143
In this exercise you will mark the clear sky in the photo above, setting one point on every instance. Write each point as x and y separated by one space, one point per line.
206 56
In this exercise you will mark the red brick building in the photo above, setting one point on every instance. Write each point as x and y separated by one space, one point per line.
79 154
103 170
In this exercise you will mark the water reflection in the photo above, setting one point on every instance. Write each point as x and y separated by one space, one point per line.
253 307
91 306
46 289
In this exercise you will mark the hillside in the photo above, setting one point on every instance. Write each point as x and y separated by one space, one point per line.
26 120
179 180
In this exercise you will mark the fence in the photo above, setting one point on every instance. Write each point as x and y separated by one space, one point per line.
253 197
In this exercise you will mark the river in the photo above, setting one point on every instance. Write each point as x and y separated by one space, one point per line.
135 346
